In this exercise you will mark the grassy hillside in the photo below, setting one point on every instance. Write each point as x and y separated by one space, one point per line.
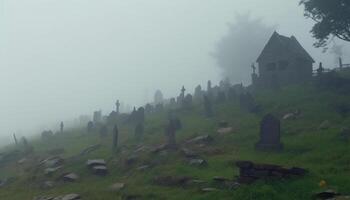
323 152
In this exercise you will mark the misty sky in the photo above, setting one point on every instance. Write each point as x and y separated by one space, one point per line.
63 58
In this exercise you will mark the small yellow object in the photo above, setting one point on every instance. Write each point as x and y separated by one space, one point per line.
322 183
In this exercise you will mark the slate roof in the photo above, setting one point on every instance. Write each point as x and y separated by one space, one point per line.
279 44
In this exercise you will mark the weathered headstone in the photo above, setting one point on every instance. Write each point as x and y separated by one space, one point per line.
174 124
90 126
97 116
221 97
208 107
247 102
187 102
61 127
103 131
115 137
158 97
47 134
139 129
148 108
198 94
270 134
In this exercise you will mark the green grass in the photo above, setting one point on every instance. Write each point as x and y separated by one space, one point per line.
320 151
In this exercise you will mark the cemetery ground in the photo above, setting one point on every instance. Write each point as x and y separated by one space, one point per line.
320 149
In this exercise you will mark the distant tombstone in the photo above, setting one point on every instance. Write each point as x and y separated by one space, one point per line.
139 129
187 102
97 116
172 103
103 131
140 115
90 126
15 138
247 102
112 117
231 94
174 124
208 107
117 106
115 138
209 86
148 108
61 127
270 134
159 108
158 97
221 97
28 149
198 93
46 134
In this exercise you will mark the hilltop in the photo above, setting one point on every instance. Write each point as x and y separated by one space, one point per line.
316 139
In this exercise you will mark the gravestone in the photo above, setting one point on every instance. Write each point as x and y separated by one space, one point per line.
139 129
61 127
172 103
103 131
159 107
140 115
148 108
221 97
198 93
90 126
231 94
270 134
115 137
117 106
97 116
170 131
187 102
247 102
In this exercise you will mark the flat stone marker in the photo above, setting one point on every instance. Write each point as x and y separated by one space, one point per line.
100 170
96 162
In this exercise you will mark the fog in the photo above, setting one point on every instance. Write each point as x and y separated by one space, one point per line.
63 58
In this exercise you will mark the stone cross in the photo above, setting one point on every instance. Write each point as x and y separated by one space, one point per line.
117 104
270 134
183 92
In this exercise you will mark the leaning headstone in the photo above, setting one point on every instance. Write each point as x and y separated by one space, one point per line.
270 134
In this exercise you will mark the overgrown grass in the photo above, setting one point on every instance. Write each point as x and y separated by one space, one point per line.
321 151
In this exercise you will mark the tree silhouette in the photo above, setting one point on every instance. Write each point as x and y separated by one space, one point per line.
332 19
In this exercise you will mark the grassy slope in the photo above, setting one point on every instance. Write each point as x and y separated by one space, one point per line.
326 156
